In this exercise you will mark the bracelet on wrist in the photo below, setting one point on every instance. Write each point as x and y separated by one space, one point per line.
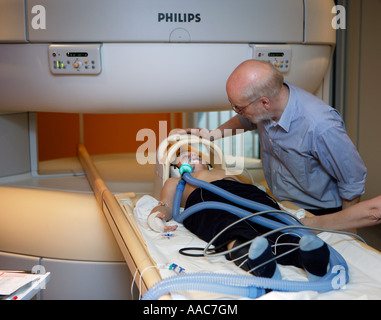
162 204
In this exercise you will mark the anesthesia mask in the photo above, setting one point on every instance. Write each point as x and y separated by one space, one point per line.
187 160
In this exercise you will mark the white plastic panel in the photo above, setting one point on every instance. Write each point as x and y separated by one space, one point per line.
62 225
138 78
135 78
169 20
11 261
14 144
12 21
309 66
318 21
86 280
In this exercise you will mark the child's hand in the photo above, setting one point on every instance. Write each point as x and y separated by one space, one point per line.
156 222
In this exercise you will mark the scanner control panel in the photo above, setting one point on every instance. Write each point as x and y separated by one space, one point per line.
278 55
73 59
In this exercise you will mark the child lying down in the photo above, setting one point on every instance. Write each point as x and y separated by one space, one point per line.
312 254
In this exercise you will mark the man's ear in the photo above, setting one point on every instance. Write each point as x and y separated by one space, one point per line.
265 102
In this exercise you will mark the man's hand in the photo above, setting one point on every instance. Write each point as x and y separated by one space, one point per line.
205 133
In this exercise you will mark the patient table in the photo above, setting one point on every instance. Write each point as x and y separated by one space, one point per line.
151 256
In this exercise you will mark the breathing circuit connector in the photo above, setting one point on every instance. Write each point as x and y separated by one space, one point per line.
185 168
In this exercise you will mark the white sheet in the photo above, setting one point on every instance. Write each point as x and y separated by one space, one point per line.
364 264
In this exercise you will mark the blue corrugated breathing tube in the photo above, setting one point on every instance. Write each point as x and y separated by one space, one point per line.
242 285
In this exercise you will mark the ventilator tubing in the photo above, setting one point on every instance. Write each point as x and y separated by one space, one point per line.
240 285
229 196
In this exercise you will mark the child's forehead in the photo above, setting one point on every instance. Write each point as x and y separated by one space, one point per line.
188 152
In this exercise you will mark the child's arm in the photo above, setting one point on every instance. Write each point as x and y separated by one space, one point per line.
163 212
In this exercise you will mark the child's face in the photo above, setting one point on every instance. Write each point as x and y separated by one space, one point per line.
188 157
192 158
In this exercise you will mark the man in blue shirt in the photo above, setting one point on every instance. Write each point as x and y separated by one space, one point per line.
307 155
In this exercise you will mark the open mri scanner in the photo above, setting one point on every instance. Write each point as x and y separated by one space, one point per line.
125 56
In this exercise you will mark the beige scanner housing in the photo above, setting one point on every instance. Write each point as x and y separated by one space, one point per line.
148 56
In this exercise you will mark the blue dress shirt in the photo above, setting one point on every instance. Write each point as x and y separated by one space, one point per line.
307 155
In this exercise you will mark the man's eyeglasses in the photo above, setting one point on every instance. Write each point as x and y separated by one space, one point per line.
239 109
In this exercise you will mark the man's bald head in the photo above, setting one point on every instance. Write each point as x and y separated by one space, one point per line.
253 79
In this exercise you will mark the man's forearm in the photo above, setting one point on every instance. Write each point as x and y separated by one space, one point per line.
364 214
227 129
230 127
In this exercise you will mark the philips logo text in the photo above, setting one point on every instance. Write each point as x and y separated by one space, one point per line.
179 17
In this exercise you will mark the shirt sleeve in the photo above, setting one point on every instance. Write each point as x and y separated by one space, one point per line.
341 160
